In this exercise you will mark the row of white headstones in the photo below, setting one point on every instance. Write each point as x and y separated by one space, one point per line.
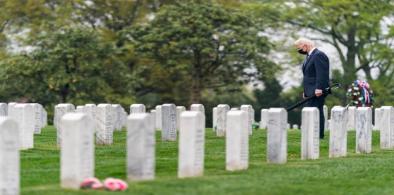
31 118
77 128
18 124
350 125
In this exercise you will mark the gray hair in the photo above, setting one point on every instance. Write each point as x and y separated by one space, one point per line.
304 41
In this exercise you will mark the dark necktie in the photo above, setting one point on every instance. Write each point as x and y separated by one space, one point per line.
306 60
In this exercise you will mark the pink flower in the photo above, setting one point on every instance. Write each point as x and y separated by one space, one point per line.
363 84
113 184
91 183
110 184
123 185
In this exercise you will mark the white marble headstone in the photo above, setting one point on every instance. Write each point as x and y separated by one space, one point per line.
158 118
351 118
277 136
140 147
364 130
237 140
104 124
79 109
249 110
117 114
10 106
60 110
387 127
378 119
222 110
168 112
264 118
10 109
329 124
123 118
77 150
310 128
37 117
153 117
9 157
338 132
253 113
114 117
90 110
214 118
179 110
24 115
44 118
137 108
325 112
200 108
3 109
191 144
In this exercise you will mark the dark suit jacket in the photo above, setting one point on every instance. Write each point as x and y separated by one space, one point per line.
316 72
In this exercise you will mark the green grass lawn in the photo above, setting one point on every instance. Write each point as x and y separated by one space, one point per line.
354 174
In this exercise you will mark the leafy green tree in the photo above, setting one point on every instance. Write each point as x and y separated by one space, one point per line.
356 29
30 18
208 46
356 25
69 65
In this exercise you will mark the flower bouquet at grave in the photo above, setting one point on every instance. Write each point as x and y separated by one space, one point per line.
359 94
109 184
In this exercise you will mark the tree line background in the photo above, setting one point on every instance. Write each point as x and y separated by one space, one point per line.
185 51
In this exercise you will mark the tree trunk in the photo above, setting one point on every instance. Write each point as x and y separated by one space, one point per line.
367 71
64 93
197 77
349 66
195 91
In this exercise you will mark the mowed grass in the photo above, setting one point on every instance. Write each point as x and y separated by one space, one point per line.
355 174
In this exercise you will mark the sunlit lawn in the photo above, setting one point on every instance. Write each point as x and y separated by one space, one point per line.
355 174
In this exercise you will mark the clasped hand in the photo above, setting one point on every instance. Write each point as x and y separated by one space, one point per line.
318 93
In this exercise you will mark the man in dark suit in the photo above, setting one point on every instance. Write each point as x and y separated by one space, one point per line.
316 76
